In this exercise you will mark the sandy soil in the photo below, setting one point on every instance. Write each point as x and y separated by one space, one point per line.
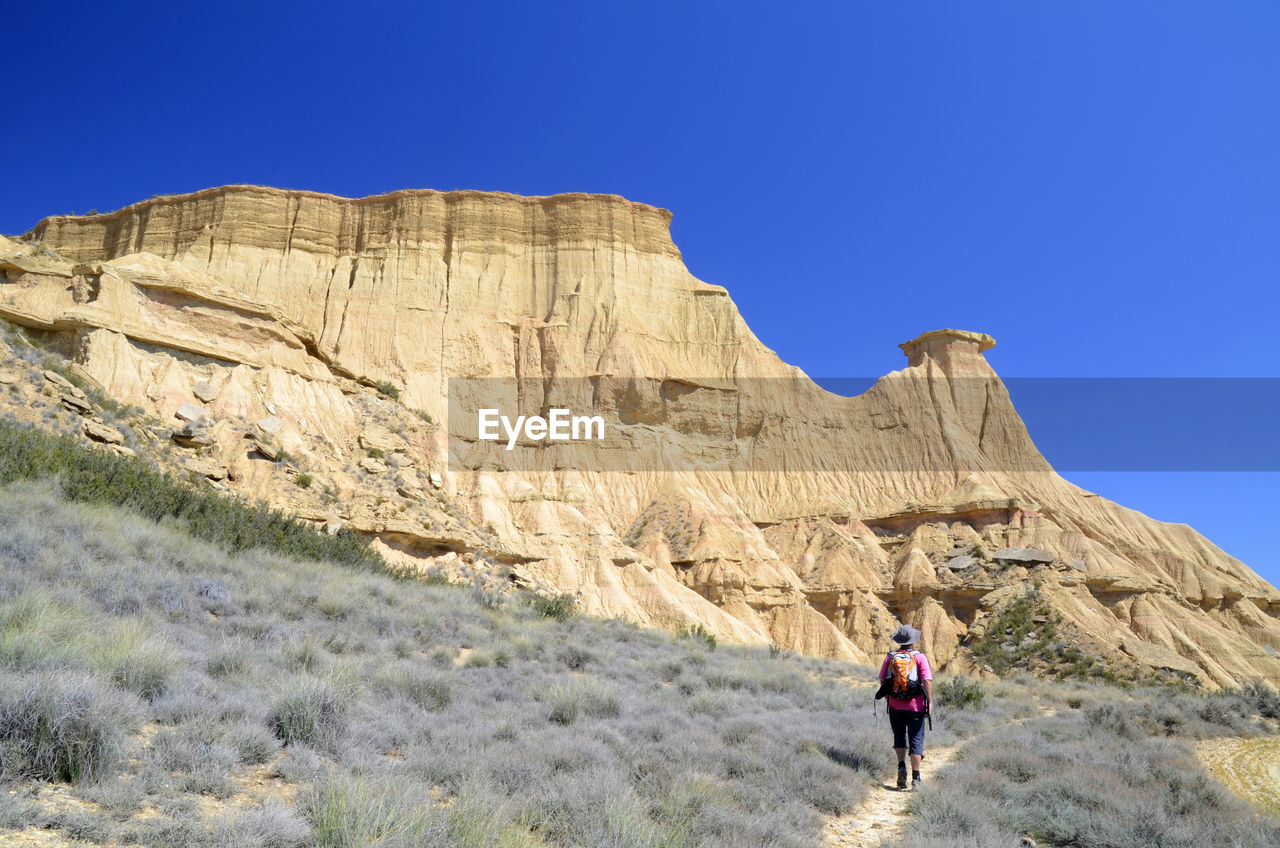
1248 767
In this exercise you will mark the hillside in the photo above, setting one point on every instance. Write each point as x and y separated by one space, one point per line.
161 690
357 338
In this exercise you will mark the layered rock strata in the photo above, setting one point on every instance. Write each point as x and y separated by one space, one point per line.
736 493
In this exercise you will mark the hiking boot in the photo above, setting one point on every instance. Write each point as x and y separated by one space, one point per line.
902 778
916 780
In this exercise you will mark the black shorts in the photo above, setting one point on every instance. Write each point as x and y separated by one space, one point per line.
908 725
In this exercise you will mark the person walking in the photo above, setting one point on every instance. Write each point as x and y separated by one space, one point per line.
907 681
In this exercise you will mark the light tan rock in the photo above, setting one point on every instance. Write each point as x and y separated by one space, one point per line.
734 493
191 412
63 383
102 433
204 391
267 449
380 438
76 403
207 468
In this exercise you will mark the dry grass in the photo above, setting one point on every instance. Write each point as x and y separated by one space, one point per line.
558 730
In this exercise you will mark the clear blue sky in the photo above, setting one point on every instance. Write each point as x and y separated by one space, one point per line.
1095 184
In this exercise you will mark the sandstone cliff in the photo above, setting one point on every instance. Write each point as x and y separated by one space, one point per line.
735 492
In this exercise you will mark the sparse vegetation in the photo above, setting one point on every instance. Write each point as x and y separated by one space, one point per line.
311 712
699 633
405 713
94 476
148 669
1104 775
559 608
959 693
1027 635
62 725
387 389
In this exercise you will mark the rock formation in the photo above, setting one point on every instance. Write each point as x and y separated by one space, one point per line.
281 336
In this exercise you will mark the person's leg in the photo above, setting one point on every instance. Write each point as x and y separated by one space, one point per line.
897 721
915 731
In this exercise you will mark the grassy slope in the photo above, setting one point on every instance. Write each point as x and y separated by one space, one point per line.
194 692
184 671
1101 766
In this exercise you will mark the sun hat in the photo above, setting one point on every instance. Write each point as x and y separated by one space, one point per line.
906 635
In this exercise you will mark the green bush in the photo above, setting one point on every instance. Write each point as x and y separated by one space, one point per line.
959 693
1017 624
94 476
387 388
304 480
559 608
700 634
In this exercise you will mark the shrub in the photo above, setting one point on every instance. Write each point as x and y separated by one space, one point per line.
38 632
357 812
481 736
1264 699
195 753
559 608
484 597
388 389
429 688
1075 780
228 659
144 671
312 711
700 634
95 476
591 696
61 725
304 480
959 693
253 743
269 825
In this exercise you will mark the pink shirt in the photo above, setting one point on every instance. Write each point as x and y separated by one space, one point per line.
915 704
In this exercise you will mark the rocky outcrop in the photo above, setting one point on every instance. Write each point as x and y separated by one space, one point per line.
323 339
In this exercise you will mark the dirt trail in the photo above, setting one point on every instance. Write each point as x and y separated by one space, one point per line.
1248 767
879 819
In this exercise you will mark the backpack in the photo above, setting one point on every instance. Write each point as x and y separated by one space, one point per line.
904 675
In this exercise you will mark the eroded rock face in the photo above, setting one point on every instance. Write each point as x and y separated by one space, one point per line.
738 494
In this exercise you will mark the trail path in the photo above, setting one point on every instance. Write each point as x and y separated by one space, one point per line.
1248 767
879 819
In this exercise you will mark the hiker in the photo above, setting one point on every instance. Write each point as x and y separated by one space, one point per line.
907 681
